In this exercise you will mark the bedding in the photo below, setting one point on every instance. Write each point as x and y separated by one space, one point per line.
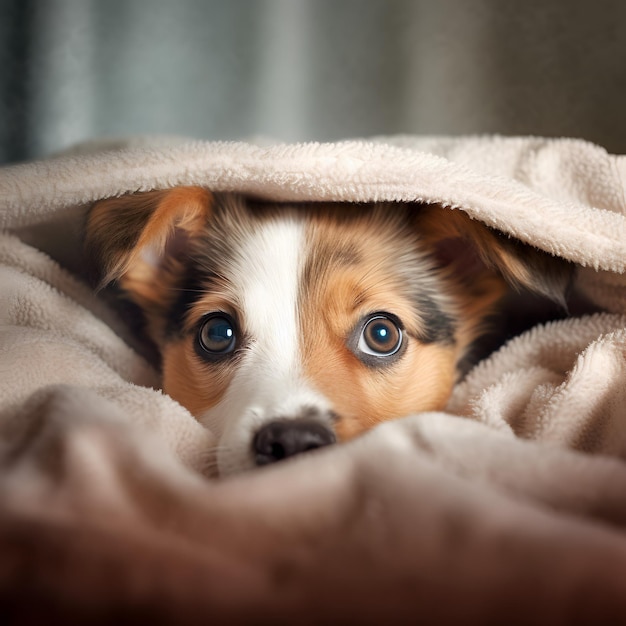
508 507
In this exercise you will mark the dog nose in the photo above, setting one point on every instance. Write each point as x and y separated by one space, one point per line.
283 438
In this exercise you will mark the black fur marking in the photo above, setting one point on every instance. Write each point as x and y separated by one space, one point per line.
203 269
439 327
194 283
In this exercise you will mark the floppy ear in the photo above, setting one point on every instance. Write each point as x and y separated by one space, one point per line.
139 240
476 255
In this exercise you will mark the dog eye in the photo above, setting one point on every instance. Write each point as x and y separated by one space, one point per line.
381 336
217 335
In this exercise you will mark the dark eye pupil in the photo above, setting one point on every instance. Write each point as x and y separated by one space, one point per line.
381 335
217 335
220 333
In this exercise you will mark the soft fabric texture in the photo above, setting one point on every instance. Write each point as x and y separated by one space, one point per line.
507 508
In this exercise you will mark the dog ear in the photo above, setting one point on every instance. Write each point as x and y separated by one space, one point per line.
473 253
139 239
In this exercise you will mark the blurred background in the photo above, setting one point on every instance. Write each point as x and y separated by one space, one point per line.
298 70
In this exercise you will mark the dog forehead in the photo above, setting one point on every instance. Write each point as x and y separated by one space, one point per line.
256 252
236 217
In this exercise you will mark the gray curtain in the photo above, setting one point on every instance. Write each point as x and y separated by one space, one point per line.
308 69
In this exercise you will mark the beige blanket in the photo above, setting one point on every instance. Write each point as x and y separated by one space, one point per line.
515 515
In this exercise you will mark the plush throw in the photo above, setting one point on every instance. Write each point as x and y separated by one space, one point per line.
507 508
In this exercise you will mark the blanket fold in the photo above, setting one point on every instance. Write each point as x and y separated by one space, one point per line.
511 501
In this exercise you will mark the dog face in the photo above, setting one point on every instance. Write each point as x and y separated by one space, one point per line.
286 328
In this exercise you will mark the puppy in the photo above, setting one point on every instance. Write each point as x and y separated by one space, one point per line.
284 328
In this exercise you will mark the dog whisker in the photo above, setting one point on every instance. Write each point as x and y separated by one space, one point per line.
183 289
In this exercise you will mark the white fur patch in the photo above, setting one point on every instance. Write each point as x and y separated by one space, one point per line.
265 275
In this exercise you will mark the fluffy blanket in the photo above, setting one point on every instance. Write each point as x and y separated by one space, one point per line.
508 508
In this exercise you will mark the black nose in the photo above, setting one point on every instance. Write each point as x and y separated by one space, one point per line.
283 438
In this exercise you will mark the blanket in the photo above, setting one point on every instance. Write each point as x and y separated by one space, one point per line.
508 507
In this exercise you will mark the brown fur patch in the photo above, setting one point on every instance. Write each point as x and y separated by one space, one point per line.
120 229
367 273
472 250
192 382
